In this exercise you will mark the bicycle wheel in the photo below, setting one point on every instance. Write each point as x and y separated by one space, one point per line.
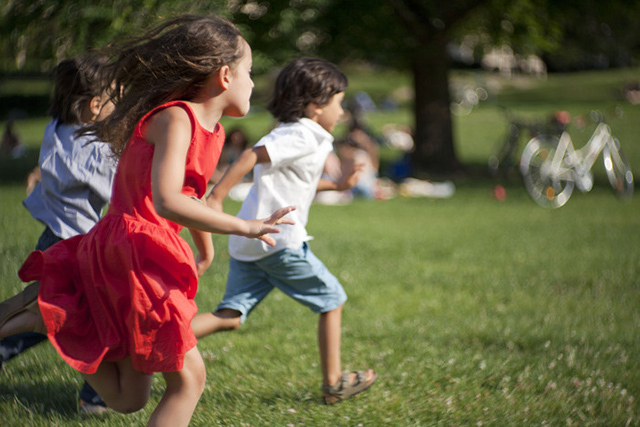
618 169
535 165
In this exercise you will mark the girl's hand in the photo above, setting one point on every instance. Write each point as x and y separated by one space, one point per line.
202 263
261 228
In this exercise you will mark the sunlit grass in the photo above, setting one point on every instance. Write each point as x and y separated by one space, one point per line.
473 311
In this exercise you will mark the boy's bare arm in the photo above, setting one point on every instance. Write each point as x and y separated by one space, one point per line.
346 182
234 173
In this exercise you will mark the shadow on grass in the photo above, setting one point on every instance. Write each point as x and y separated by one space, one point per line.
42 398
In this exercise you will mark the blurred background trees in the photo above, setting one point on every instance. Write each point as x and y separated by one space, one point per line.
423 37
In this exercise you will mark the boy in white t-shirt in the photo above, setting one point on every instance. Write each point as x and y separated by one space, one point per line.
287 167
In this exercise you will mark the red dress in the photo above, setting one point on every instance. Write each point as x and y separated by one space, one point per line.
126 288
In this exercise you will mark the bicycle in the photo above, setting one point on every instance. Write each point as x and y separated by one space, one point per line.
504 160
551 167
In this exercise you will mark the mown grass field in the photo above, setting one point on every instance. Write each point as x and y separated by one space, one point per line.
473 311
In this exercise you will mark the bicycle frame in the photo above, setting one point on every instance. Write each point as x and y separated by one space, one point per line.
575 165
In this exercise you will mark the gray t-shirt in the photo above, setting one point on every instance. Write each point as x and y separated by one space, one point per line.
77 176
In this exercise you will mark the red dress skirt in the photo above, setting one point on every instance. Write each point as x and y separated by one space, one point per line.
126 288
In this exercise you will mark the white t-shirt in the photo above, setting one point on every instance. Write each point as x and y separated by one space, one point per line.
298 152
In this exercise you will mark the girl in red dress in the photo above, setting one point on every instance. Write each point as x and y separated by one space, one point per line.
117 303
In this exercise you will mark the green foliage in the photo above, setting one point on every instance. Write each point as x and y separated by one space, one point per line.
596 35
279 30
525 25
36 35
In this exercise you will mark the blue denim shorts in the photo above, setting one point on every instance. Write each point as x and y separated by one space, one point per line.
296 272
47 238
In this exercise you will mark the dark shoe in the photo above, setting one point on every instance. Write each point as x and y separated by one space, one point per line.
90 403
12 346
85 408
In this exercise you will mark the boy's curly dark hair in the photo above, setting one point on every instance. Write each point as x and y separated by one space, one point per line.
304 81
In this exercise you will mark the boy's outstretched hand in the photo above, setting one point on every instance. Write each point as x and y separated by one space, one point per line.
349 180
262 228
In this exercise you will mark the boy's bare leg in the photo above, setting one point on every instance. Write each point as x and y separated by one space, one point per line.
182 394
26 318
204 324
25 321
329 334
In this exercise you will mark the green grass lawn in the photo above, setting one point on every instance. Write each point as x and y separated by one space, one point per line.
473 311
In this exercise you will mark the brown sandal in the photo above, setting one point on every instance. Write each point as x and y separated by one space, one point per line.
25 300
346 388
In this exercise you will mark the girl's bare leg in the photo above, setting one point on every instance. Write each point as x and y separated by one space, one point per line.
121 387
329 334
183 392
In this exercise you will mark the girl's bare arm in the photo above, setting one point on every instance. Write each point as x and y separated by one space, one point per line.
170 132
204 245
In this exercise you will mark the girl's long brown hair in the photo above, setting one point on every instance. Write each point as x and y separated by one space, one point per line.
170 62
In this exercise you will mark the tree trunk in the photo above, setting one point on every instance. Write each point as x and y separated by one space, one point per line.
434 152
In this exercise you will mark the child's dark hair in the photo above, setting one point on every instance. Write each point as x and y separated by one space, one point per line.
305 81
76 82
172 61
